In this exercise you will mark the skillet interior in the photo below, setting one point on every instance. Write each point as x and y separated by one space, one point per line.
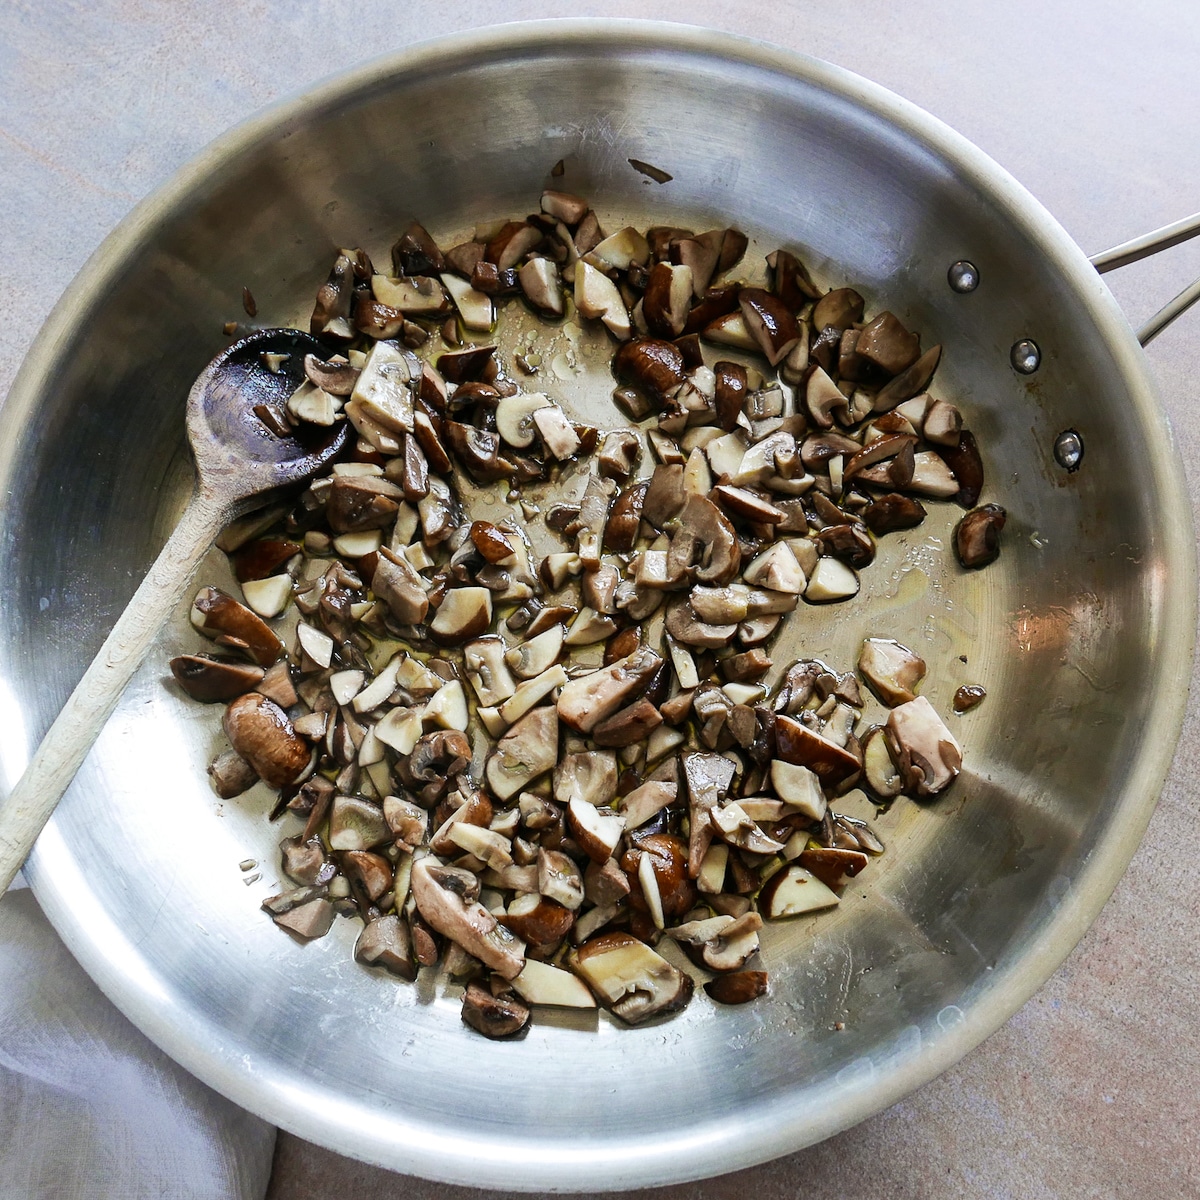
1081 633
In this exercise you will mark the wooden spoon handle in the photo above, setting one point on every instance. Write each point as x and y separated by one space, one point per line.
28 806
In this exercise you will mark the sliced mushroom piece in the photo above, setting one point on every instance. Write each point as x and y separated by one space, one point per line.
597 830
891 446
891 670
665 495
371 873
589 699
885 342
557 433
219 616
310 920
359 502
493 1016
564 206
776 568
487 845
619 453
464 613
737 987
475 309
708 777
886 514
386 942
667 299
943 423
630 978
632 724
764 459
830 582
331 313
792 891
879 771
620 250
593 517
770 322
705 545
400 587
751 506
381 392
336 377
833 866
799 788
840 308
647 801
967 466
446 899
527 750
415 296
261 732
700 255
796 743
625 517
541 983
685 626
590 776
597 297
356 824
540 282
536 655
514 417
653 366
207 678
910 382
926 753
932 476
730 330
537 920
231 775
408 822
722 943
416 253
977 536
736 827
559 878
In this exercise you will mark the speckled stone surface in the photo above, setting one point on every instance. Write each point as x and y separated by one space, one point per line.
1091 1089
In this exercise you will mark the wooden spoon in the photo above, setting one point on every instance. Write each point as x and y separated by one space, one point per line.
240 461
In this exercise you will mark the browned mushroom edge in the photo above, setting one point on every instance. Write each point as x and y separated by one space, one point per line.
480 781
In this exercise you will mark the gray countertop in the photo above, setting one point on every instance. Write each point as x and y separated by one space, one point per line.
1090 1090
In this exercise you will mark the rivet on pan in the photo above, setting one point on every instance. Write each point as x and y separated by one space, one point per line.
1068 449
1025 356
963 276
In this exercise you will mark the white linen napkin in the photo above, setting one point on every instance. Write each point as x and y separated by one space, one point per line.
90 1109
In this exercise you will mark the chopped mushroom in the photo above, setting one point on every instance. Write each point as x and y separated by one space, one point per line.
493 1016
629 978
447 898
977 536
766 486
926 752
891 670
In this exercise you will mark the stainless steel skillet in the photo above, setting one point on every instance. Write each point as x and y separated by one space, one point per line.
1083 637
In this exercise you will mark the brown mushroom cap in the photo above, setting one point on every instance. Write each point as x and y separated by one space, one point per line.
770 323
653 366
208 678
493 1016
705 545
262 734
217 615
977 536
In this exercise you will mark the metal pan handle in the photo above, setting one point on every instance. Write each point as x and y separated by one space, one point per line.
1143 247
